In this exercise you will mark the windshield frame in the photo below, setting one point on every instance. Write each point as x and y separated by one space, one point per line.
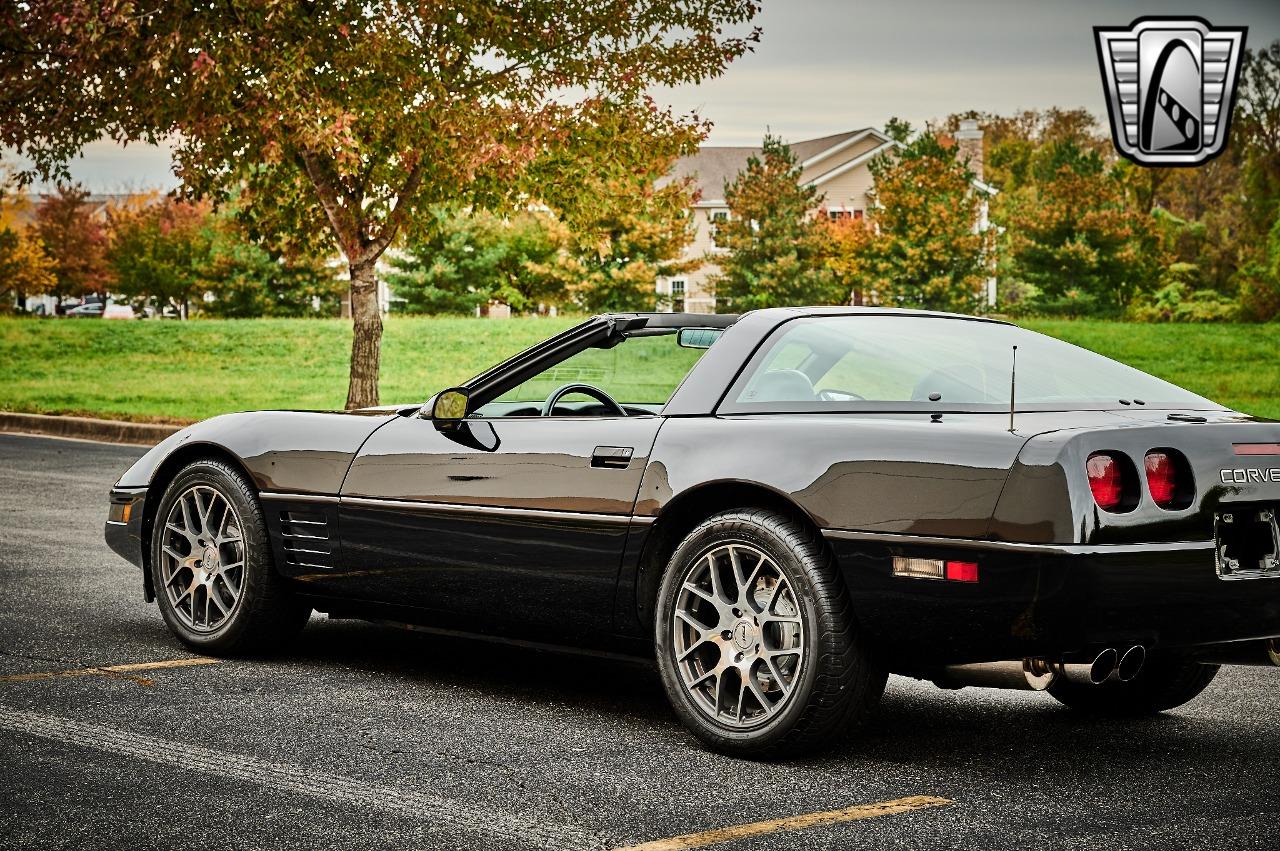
728 406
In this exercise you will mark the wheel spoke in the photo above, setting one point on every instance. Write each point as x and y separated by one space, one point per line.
765 704
717 581
736 565
776 673
701 592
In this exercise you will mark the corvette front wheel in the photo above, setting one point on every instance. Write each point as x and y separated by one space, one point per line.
755 638
212 569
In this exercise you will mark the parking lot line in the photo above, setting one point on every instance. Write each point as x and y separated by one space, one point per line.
791 823
111 670
496 827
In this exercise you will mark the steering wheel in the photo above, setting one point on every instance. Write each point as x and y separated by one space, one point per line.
572 387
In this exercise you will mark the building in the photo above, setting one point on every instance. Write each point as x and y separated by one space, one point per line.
837 166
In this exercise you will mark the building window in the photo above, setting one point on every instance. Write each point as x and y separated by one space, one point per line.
857 214
717 218
837 215
677 296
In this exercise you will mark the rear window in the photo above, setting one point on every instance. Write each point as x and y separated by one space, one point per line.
870 362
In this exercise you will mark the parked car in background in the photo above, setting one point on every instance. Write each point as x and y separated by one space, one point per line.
88 310
119 311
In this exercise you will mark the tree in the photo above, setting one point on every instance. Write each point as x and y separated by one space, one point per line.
473 258
25 268
1257 131
1260 281
251 277
76 239
1071 232
356 114
628 221
920 246
161 249
777 249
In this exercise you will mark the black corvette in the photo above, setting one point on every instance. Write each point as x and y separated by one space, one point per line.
783 507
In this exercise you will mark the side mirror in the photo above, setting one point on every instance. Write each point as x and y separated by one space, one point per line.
451 405
697 338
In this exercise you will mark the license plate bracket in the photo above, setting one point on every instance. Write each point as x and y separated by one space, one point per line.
1247 543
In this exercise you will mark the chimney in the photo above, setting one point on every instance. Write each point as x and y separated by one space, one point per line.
969 145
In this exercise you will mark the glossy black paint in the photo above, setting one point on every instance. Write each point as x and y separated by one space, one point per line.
528 525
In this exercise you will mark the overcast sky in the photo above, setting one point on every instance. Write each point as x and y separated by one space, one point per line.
824 66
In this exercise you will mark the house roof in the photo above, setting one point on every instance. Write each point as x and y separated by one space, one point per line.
715 165
98 203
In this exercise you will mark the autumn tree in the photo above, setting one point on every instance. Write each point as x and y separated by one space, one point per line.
25 268
920 246
777 250
1257 130
627 220
1071 232
355 115
76 238
161 249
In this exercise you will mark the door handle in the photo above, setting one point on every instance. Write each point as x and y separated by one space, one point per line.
611 457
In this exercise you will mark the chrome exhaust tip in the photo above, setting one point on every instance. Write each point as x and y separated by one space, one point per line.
1092 673
1131 663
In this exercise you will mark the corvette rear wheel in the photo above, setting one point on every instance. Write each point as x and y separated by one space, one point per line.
756 641
1165 682
212 569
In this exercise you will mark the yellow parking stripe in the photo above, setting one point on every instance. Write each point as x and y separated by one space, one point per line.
111 671
803 822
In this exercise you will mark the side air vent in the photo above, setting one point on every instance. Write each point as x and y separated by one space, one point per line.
306 540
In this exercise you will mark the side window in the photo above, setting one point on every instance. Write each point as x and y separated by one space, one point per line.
780 377
640 373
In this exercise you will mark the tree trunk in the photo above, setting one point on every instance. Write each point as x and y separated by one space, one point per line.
366 339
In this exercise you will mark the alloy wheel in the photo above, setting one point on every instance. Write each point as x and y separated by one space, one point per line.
738 635
203 558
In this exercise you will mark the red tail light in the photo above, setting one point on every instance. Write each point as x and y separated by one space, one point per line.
1162 478
1169 478
1106 480
962 571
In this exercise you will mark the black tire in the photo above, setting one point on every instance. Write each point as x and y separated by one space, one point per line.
266 615
837 683
1165 682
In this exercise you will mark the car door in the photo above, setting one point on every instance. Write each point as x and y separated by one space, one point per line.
503 525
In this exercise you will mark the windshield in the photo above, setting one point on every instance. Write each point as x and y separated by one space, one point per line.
872 362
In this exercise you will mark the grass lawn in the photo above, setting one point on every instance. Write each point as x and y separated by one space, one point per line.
185 371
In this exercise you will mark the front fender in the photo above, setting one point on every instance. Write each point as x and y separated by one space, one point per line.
305 452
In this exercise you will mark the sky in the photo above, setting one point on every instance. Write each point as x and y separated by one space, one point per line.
825 66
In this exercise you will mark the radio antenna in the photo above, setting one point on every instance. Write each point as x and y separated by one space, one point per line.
1013 386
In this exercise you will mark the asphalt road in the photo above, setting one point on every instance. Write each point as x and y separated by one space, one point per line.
362 736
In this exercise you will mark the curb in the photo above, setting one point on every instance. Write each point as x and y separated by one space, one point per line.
87 428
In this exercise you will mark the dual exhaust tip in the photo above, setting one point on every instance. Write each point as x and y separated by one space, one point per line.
1039 674
1110 664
